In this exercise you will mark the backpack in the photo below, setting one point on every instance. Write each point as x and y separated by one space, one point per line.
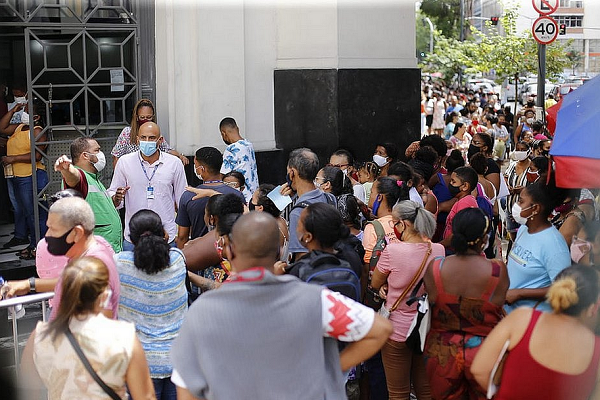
327 270
483 203
379 244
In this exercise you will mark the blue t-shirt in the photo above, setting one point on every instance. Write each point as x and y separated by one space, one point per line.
314 196
535 260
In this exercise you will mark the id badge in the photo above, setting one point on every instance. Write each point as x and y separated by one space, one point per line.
150 192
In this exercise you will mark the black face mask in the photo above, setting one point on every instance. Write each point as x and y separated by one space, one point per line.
546 153
454 190
58 246
251 206
288 180
472 151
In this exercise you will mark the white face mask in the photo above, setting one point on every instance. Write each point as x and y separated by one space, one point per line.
198 175
530 121
101 163
25 118
516 214
21 100
106 301
519 155
379 160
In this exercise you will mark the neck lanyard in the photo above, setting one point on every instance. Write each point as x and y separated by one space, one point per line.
145 173
215 181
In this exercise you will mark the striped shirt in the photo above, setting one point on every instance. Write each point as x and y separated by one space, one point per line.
156 304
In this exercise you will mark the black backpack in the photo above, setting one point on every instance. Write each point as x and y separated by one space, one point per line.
327 270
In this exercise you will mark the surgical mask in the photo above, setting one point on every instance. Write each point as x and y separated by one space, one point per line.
516 213
317 184
530 121
454 190
376 205
472 151
147 147
379 160
579 248
21 100
532 176
101 163
25 118
198 175
58 246
519 155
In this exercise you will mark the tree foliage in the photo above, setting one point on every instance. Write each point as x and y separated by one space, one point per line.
445 15
505 55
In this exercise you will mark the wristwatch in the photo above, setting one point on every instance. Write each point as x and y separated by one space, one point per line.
32 285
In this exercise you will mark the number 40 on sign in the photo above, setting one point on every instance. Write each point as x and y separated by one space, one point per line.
545 30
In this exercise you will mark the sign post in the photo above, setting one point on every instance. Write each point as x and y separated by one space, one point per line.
545 31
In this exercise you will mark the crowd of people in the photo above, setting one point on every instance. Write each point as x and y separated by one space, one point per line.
206 283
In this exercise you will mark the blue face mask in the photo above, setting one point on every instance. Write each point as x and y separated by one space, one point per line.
376 205
147 148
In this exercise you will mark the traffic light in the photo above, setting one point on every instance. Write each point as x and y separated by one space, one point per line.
562 29
494 20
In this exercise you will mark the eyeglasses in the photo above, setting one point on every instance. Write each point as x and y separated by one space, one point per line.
338 165
145 117
234 185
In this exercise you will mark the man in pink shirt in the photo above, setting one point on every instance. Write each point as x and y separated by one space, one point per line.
462 182
71 233
149 179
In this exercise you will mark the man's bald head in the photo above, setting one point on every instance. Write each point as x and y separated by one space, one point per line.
255 236
149 132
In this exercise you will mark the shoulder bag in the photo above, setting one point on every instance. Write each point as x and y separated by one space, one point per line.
113 395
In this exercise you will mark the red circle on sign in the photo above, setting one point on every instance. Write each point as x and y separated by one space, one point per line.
539 4
540 37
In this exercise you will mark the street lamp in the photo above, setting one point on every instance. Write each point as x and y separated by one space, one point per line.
430 34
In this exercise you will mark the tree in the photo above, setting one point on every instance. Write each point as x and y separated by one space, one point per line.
449 56
445 15
575 57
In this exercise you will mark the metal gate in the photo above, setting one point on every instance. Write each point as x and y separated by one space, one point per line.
81 64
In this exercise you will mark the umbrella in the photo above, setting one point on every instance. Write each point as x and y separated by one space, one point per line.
576 145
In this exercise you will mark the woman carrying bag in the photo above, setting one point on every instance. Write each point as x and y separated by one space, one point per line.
82 354
402 265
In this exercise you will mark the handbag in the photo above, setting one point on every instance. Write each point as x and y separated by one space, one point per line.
372 299
419 327
113 395
383 311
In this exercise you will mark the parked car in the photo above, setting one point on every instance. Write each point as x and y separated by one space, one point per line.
487 85
530 90
508 88
565 88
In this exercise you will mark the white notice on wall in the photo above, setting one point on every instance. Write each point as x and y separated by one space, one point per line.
117 80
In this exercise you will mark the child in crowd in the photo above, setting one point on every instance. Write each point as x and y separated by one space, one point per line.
462 183
367 174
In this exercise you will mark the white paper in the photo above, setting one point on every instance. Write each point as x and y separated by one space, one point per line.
281 202
492 388
116 78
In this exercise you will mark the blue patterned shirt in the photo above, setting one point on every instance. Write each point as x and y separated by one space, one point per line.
156 304
239 156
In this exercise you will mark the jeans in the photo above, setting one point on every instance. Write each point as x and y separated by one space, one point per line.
403 367
23 188
128 246
377 383
20 223
164 389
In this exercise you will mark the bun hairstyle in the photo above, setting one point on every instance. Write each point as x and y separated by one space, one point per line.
263 200
347 206
325 223
469 227
151 251
574 290
83 280
340 184
393 190
454 160
423 221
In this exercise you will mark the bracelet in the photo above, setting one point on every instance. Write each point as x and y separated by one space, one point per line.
32 285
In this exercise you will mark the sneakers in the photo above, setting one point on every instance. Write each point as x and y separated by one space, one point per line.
14 242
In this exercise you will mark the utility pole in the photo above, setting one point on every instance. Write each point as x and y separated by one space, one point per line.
462 34
431 29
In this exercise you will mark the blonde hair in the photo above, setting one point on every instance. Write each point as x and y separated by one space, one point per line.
563 294
83 280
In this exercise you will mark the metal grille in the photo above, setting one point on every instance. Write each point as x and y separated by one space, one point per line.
82 67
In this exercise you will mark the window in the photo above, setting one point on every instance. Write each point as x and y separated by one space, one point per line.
594 45
571 21
571 3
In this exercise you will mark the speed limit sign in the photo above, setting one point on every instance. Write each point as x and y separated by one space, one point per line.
545 30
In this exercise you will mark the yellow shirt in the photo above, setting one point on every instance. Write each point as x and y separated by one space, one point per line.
549 103
18 143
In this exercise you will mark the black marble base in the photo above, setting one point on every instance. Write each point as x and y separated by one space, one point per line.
351 108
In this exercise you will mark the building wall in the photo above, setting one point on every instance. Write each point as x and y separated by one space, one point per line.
223 59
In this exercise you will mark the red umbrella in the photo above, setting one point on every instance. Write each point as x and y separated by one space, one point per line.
552 114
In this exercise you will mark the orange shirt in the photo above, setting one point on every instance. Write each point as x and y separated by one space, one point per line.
370 237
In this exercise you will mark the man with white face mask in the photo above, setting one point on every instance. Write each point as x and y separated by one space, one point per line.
80 172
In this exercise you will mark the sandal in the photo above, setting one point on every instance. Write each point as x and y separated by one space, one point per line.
27 253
